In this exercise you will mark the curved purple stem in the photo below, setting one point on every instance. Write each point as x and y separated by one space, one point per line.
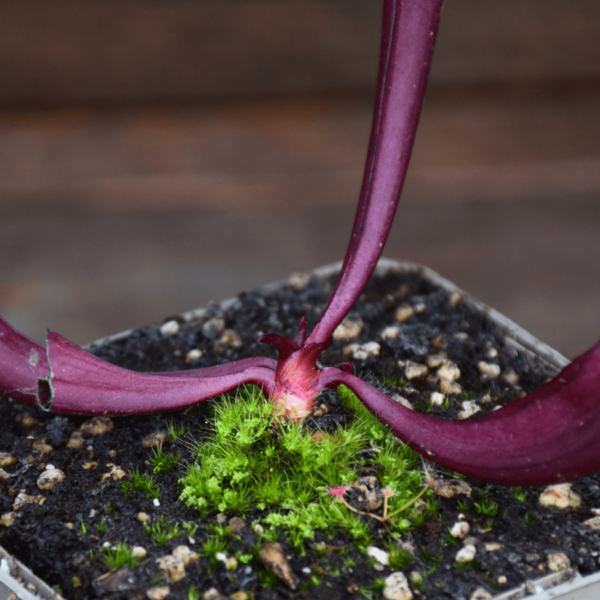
549 436
81 383
77 382
408 37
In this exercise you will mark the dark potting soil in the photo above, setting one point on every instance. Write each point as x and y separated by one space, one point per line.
414 325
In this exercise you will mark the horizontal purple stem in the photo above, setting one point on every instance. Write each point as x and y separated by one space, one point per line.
81 383
225 369
551 435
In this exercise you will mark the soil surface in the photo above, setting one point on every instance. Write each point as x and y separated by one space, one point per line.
59 531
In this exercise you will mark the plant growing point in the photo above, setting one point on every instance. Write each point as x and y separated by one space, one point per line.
549 436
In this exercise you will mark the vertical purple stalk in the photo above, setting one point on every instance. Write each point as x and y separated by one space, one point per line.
408 37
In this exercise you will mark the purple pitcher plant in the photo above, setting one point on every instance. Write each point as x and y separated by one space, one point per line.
549 436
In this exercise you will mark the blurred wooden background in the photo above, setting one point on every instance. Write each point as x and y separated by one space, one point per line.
114 51
155 155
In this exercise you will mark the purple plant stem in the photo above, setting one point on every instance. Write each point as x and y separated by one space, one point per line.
408 36
225 369
81 383
22 361
549 436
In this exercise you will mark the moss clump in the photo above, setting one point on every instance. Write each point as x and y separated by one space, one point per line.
253 461
161 531
164 462
120 555
141 482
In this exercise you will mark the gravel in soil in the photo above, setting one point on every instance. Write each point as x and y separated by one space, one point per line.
63 508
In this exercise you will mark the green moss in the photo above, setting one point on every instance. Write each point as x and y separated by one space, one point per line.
469 394
176 431
162 531
378 585
519 494
253 460
120 556
189 528
448 539
447 403
269 580
428 556
212 546
423 514
394 380
398 559
486 506
141 482
418 581
101 527
164 462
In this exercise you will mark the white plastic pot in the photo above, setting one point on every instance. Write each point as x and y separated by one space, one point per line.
18 582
